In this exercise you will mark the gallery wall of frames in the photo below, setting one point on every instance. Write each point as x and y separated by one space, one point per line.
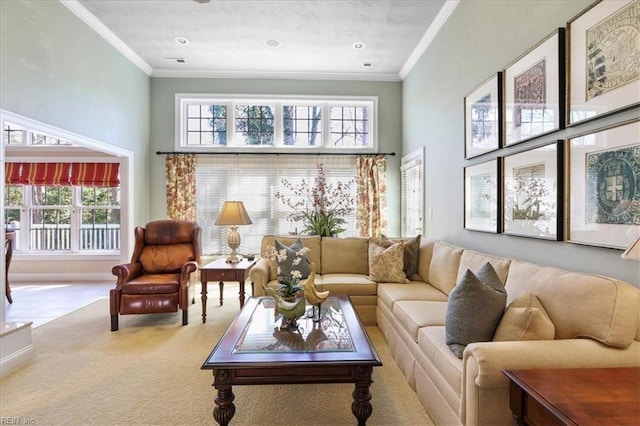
582 189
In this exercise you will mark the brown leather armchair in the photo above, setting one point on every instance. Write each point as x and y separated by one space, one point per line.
157 280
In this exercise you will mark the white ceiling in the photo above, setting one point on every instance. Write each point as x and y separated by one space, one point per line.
228 38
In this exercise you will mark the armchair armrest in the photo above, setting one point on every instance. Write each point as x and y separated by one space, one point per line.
186 271
259 275
126 272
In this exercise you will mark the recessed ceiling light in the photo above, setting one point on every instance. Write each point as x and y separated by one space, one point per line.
181 40
274 44
358 45
202 1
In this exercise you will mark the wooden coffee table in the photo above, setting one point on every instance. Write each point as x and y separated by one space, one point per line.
254 351
575 396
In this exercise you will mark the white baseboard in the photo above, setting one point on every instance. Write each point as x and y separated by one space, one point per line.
16 347
84 277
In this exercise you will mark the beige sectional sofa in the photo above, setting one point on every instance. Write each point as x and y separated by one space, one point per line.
596 320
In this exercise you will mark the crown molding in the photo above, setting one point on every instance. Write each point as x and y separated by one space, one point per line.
440 19
95 24
275 75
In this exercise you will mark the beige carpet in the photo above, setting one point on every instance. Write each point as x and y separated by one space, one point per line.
148 373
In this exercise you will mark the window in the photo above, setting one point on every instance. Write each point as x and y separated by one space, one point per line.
255 180
412 189
302 125
63 218
349 126
282 124
254 124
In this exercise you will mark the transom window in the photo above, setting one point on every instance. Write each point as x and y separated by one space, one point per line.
282 124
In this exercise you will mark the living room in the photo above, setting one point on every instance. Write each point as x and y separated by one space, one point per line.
56 70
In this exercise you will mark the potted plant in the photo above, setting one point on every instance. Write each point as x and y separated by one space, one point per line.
322 207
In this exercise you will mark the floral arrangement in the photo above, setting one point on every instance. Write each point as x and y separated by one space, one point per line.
289 284
322 207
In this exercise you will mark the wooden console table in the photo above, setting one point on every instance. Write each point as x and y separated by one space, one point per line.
575 396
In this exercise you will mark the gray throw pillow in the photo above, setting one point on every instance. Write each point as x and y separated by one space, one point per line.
474 309
294 259
411 253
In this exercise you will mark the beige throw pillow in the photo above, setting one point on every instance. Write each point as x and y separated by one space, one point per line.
386 264
525 319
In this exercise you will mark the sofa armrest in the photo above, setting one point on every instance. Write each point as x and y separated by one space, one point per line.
487 360
259 275
485 388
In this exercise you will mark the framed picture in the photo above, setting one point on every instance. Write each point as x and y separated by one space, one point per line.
532 188
534 91
604 59
482 117
604 186
481 197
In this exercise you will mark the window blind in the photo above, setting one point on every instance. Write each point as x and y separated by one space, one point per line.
411 182
255 180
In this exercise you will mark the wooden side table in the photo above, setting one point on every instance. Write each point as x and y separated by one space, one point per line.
221 271
575 396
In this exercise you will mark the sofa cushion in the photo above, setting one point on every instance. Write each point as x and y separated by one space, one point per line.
291 260
312 242
525 319
474 309
443 269
424 258
411 247
432 342
580 305
350 284
344 255
389 293
386 264
415 314
474 260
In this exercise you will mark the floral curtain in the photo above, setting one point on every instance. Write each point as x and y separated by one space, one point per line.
371 212
181 186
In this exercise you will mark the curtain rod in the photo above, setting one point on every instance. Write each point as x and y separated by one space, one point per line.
392 154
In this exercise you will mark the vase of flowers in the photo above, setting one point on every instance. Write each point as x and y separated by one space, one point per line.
322 207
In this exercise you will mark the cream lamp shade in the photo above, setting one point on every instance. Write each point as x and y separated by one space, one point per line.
633 252
233 214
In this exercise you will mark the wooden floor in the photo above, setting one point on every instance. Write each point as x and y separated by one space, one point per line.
41 303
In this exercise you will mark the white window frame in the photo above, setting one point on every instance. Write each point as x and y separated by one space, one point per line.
413 161
182 100
103 153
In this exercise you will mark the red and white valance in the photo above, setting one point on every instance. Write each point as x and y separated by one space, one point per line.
65 174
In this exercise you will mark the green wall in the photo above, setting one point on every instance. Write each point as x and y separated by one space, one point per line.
163 92
479 39
57 70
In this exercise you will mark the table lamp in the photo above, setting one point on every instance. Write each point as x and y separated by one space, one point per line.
233 214
633 252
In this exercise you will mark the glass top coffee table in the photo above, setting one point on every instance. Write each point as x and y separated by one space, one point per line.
255 351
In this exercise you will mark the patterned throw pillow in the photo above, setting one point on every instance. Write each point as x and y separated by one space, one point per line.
525 319
386 264
474 309
292 260
411 254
